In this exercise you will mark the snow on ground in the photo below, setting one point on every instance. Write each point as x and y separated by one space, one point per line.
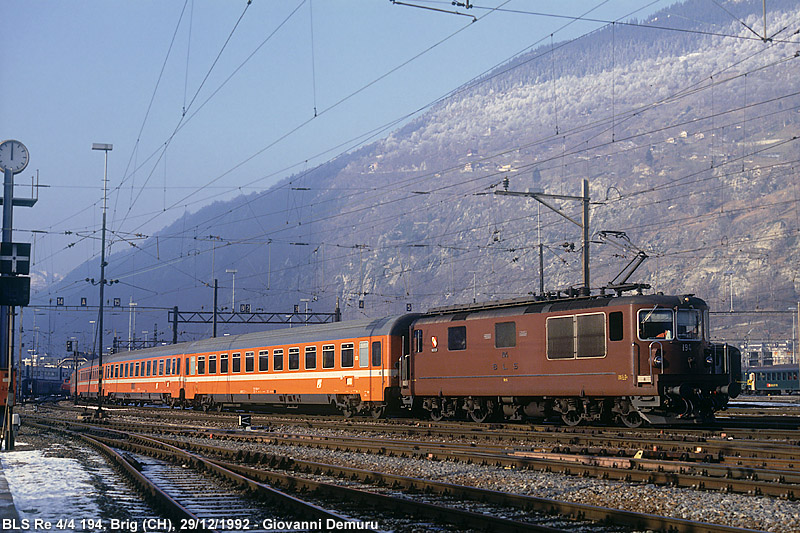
50 488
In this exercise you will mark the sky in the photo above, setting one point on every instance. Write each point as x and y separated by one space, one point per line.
204 100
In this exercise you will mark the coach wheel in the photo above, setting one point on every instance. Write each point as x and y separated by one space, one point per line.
632 419
347 412
218 407
378 411
571 417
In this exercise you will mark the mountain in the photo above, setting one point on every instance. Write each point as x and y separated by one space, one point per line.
688 138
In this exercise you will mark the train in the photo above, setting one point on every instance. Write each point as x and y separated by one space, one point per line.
773 380
626 359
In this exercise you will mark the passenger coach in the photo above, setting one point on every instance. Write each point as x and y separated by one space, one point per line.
348 365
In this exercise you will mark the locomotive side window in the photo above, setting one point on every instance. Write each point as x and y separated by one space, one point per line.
616 331
328 355
417 341
363 354
311 357
655 324
223 363
249 361
201 365
505 334
294 358
236 362
560 338
347 355
277 359
457 338
212 364
689 324
377 357
263 360
591 335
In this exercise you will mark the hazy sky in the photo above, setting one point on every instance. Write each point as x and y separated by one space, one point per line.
203 100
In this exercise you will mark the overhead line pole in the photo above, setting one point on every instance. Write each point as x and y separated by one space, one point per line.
583 224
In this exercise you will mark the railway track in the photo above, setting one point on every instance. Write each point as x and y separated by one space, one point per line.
486 510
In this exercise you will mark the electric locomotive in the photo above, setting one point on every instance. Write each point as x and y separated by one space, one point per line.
601 358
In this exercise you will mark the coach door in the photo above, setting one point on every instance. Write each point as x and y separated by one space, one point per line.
364 370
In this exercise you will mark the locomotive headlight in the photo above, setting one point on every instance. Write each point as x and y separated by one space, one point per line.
709 360
658 360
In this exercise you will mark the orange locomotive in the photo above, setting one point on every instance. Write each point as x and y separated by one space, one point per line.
348 365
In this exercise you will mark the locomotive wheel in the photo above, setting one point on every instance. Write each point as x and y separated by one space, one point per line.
480 413
436 415
632 419
571 418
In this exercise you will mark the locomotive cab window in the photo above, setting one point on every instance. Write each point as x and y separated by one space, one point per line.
505 335
689 324
655 324
457 338
417 341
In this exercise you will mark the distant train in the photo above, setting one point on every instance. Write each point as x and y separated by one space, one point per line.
627 359
776 379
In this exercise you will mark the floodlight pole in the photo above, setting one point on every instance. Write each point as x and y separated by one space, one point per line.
583 224
105 148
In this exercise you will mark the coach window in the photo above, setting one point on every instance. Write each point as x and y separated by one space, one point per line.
177 366
505 335
616 330
277 359
377 356
149 362
417 341
212 364
223 363
363 354
136 369
263 361
328 358
192 365
168 369
311 357
201 365
347 355
561 337
294 358
457 338
161 367
116 371
249 361
236 362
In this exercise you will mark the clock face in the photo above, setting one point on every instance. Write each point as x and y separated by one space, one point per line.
13 156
